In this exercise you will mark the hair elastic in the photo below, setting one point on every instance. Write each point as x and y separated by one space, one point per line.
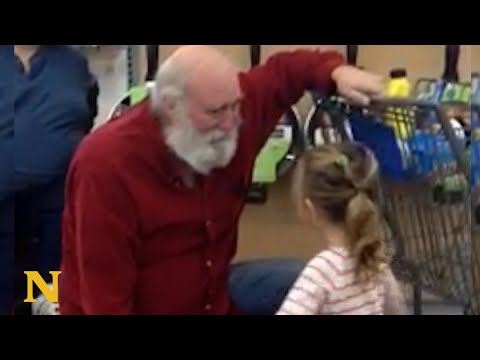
343 161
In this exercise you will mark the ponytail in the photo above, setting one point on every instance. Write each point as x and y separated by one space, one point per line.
342 179
365 227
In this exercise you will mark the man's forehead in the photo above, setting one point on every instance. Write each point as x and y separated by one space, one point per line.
217 90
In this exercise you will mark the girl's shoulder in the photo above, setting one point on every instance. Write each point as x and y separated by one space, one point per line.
334 255
332 265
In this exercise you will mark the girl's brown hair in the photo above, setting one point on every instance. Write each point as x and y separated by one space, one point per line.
342 179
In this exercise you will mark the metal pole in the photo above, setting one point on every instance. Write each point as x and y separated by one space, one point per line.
153 55
352 54
452 54
255 55
130 66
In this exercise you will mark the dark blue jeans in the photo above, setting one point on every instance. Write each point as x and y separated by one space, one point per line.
259 287
6 254
38 214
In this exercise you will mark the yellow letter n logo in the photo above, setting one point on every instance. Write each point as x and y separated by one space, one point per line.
51 293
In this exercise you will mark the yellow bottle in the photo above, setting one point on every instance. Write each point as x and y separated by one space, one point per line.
399 87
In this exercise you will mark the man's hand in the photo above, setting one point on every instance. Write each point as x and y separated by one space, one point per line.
356 85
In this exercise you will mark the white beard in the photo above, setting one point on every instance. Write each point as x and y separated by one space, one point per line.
197 149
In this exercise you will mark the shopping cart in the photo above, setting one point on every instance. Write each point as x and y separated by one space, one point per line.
425 191
475 182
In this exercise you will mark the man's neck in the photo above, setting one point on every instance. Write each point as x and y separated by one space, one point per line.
25 53
25 49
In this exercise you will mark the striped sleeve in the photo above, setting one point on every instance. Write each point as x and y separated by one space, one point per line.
309 292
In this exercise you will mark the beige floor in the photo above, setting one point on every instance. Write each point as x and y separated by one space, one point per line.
274 230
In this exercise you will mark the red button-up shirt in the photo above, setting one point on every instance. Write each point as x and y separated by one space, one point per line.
135 240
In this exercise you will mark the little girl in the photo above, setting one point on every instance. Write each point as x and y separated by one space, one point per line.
336 187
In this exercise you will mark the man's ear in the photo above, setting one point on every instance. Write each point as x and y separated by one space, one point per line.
170 102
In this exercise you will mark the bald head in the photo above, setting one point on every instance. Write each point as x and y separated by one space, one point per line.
210 77
200 73
198 60
197 90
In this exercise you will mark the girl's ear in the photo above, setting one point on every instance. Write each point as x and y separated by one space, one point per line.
308 212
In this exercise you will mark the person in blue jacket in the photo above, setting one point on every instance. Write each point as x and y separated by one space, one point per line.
6 179
55 101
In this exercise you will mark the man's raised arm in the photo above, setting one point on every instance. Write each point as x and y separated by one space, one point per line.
272 88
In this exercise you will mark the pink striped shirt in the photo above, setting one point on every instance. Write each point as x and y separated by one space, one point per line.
327 286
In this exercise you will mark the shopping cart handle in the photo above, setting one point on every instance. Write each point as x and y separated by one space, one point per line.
401 102
463 106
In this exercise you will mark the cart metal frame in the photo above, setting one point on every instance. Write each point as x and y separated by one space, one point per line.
428 214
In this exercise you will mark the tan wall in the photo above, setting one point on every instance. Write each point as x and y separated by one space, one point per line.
267 50
465 63
475 57
420 60
241 53
238 53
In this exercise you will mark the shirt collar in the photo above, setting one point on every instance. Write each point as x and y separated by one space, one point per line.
37 61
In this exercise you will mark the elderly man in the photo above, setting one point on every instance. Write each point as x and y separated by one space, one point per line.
153 199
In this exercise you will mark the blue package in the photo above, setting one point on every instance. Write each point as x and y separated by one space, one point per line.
423 153
475 162
380 138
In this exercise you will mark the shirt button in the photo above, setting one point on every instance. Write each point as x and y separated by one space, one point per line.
208 307
208 223
209 263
